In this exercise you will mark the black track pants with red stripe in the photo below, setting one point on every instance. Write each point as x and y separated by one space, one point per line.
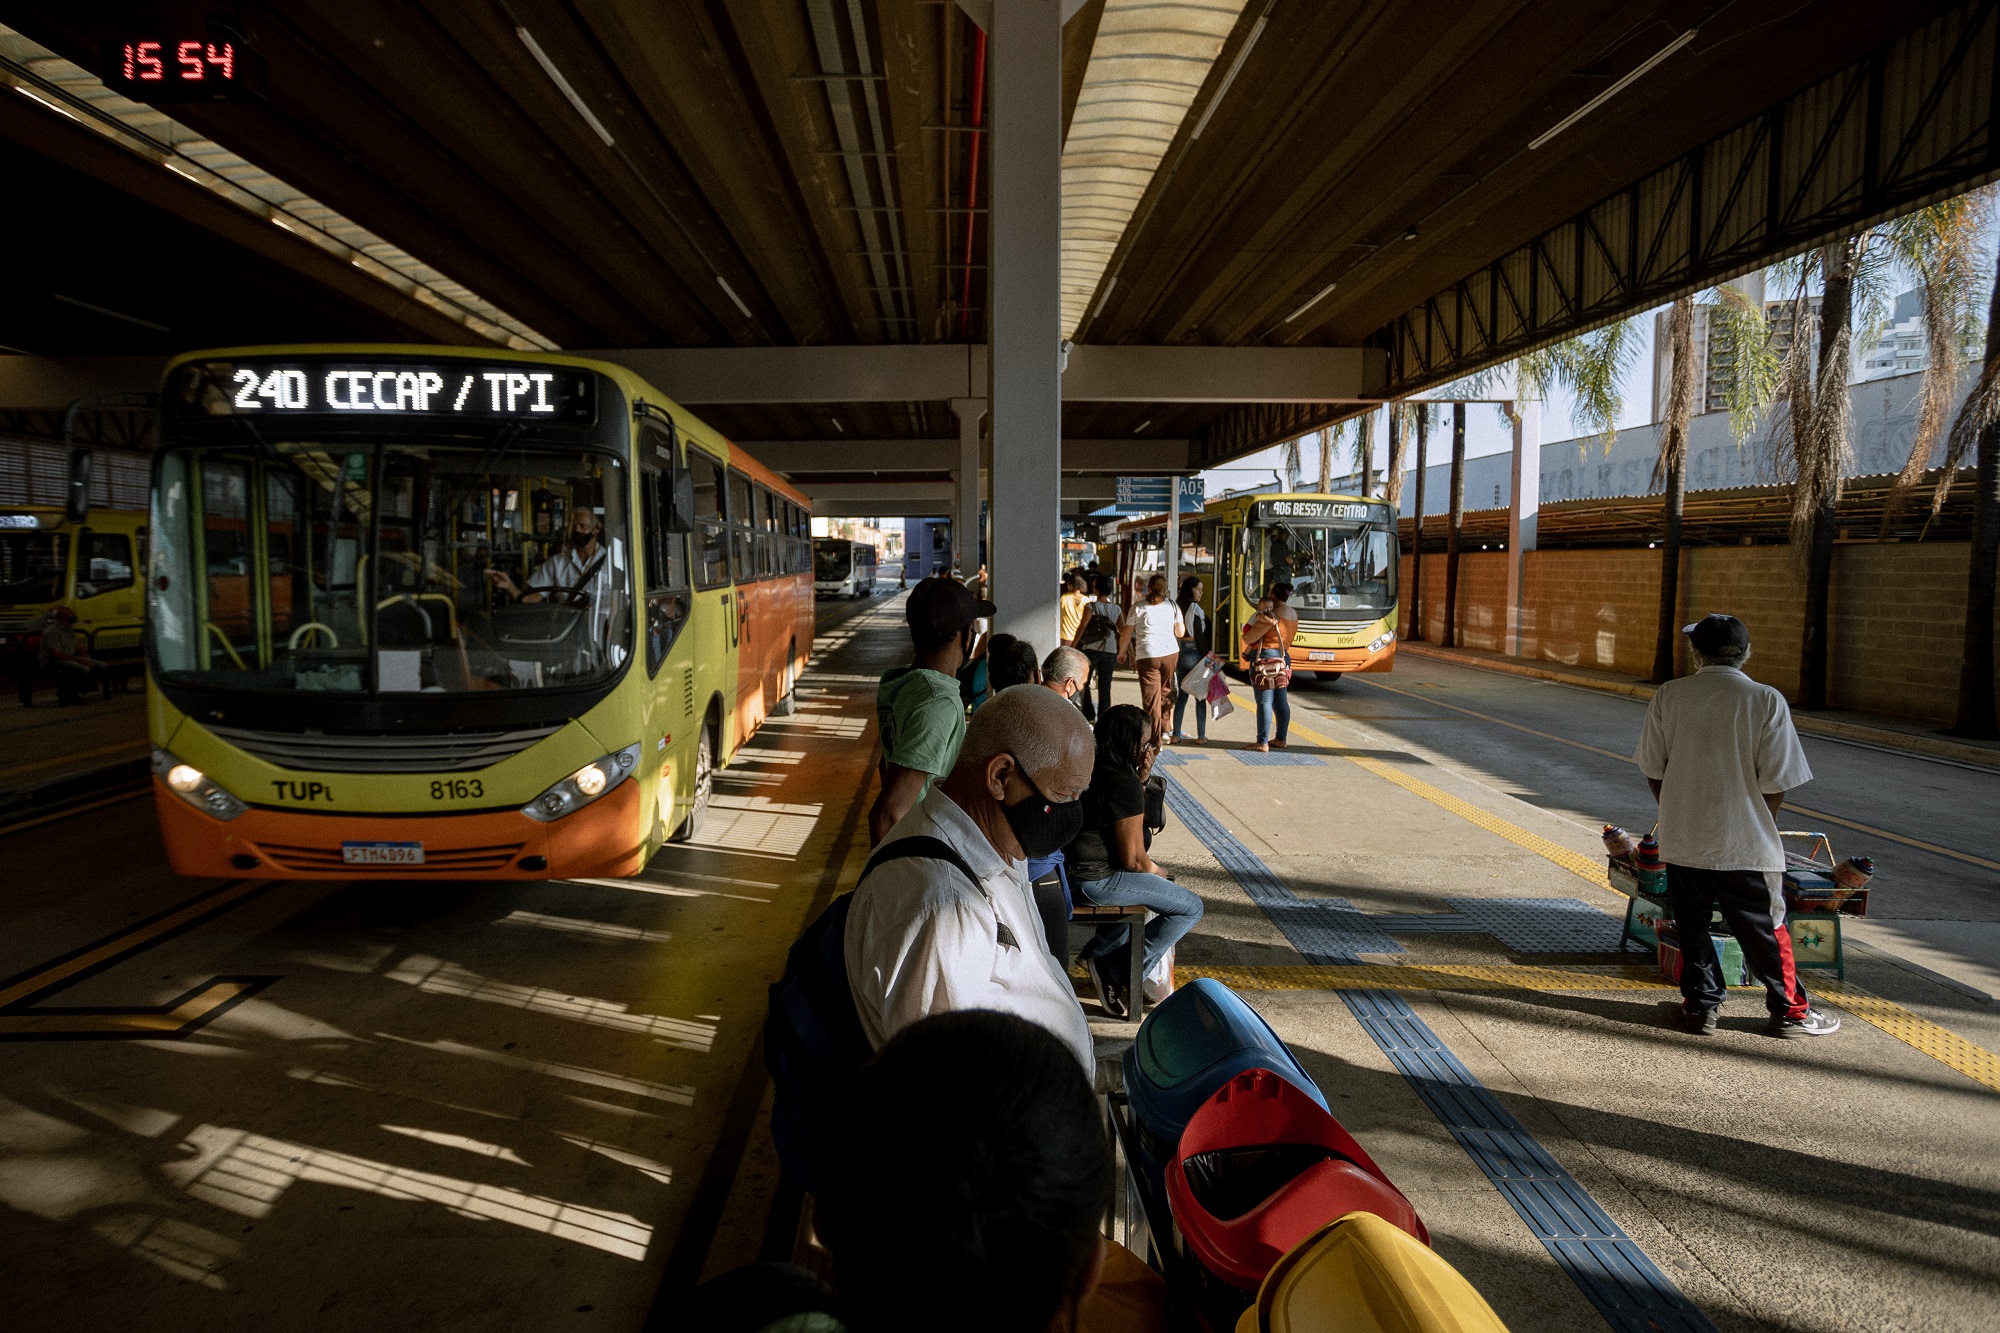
1753 909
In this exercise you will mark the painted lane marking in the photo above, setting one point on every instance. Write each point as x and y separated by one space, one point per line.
1869 829
176 1018
1608 1267
71 811
1432 976
134 748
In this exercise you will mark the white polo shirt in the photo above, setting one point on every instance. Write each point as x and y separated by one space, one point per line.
1718 742
922 940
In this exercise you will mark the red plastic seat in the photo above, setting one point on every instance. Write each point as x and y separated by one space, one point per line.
1262 1166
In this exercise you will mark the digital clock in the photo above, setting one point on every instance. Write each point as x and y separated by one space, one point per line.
183 68
435 389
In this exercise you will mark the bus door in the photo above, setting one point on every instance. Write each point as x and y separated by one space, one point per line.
667 602
710 665
1225 611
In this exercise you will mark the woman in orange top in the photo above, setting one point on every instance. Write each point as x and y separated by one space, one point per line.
1267 660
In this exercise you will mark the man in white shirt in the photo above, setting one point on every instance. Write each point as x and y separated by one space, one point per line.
1720 753
922 938
589 575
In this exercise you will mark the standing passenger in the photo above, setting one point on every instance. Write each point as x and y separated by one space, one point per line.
1719 752
1267 659
917 707
1194 646
1110 864
1098 638
1151 642
1074 598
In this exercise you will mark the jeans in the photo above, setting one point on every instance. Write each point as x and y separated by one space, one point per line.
1189 658
1179 911
1273 705
1101 667
1755 916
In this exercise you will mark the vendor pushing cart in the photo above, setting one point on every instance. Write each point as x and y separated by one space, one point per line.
1720 753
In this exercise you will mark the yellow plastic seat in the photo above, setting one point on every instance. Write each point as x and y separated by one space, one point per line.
1360 1274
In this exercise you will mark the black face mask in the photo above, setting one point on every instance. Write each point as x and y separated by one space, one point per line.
1040 825
582 539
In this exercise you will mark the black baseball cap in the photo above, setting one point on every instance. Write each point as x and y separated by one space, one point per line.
1714 633
943 606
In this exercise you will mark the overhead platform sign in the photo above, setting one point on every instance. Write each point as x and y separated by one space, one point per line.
179 66
1148 495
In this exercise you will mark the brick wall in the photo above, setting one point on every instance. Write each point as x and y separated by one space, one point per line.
1897 624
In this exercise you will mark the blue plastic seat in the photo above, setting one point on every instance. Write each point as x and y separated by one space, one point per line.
1199 1038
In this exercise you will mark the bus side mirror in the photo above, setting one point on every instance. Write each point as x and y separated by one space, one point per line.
680 516
76 505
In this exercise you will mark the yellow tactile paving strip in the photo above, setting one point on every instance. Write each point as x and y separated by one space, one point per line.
1947 1047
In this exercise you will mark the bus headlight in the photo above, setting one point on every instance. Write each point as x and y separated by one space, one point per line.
1378 644
583 786
195 787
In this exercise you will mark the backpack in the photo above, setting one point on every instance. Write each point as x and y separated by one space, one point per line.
813 1040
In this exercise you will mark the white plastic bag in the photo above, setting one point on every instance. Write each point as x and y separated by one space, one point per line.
1159 979
1195 682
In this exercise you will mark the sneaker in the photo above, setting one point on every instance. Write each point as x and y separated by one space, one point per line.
1699 1022
1814 1024
1110 995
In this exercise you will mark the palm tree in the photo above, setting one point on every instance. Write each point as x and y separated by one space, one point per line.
1818 432
1940 245
1979 420
1326 458
1290 462
1671 469
1364 450
1449 638
1393 482
1422 413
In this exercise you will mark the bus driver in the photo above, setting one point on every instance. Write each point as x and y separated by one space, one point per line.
588 575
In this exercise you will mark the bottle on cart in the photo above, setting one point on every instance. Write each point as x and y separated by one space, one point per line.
1618 844
1854 873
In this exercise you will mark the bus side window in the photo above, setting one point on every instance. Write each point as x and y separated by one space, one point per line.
767 533
711 538
742 528
666 568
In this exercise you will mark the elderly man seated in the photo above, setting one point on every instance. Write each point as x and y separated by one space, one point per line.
922 938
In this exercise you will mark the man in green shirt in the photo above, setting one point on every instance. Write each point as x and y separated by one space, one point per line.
918 709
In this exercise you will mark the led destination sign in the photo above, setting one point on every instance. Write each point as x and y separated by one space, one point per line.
1324 511
442 390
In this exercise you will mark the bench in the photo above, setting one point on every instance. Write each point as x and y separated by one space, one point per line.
1089 914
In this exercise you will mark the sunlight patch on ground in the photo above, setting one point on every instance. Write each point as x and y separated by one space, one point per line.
459 1141
570 925
435 976
645 1166
248 1173
637 1087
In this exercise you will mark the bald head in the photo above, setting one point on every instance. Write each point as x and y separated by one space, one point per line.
1039 728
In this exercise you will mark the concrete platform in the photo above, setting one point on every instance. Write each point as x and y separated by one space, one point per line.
511 1107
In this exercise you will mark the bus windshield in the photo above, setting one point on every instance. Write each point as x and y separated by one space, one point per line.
1339 567
832 561
31 566
389 566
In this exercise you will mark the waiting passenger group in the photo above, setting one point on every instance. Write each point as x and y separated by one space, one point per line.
974 1166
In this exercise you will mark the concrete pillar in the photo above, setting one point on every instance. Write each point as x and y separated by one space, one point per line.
1024 290
1522 512
965 489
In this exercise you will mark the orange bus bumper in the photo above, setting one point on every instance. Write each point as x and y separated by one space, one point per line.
1347 659
604 840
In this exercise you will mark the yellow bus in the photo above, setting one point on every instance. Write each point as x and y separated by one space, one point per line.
48 560
432 611
1339 553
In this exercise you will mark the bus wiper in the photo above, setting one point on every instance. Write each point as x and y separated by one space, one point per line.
503 439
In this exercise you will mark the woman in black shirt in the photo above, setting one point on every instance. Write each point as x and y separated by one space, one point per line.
1109 863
